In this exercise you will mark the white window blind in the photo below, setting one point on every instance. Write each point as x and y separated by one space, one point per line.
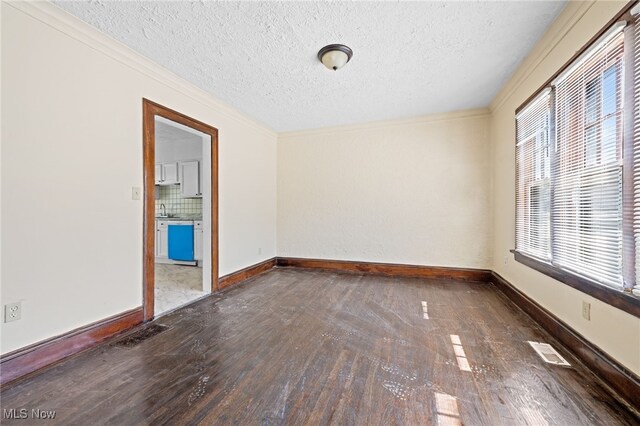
586 166
635 67
533 178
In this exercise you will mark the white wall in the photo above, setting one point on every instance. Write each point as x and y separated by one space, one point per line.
410 191
72 151
613 330
171 150
168 151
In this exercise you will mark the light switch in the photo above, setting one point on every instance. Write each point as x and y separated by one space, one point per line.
135 193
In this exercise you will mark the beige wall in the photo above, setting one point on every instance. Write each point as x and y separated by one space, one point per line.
614 331
411 191
72 151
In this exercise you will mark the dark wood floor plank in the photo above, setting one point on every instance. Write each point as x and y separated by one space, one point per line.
314 347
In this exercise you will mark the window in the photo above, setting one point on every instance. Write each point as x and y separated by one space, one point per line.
570 165
587 172
533 178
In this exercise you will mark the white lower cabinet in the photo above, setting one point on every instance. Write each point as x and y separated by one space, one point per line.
198 239
162 239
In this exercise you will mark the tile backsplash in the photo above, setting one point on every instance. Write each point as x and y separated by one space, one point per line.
176 205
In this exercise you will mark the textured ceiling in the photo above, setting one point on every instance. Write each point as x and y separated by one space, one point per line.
409 58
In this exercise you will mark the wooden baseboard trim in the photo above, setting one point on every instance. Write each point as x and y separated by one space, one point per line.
388 269
246 273
32 358
624 382
621 380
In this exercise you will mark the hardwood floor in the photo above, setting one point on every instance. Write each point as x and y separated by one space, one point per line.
310 347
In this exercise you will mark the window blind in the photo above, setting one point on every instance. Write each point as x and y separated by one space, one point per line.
635 68
587 163
533 178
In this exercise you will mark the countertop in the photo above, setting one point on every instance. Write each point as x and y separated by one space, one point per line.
176 218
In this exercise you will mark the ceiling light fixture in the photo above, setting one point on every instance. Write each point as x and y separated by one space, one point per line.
335 56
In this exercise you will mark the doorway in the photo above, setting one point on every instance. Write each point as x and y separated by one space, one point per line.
180 209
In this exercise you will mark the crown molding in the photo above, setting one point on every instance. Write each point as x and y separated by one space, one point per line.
564 23
431 118
60 20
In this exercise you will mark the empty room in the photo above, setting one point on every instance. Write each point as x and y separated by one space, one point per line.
312 213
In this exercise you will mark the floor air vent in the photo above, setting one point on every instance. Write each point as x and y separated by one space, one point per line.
549 354
141 335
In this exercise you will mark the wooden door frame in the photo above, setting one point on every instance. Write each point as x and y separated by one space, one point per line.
149 111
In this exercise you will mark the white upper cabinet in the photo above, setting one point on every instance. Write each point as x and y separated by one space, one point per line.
158 174
170 173
190 179
166 174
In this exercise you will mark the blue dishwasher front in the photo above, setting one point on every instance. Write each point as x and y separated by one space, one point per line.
181 242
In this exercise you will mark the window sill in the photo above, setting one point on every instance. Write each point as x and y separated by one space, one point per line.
627 302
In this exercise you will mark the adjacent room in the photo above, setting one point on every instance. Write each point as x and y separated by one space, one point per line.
179 177
310 213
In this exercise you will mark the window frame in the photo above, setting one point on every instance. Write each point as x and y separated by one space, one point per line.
539 184
620 298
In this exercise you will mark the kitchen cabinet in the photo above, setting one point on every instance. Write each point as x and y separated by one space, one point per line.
166 174
158 174
162 239
190 179
198 239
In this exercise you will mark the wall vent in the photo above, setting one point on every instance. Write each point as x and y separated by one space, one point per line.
549 354
140 336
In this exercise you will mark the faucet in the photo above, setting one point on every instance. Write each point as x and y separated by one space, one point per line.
163 210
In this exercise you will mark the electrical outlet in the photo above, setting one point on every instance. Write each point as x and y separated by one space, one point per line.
506 259
12 312
586 310
135 193
259 250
